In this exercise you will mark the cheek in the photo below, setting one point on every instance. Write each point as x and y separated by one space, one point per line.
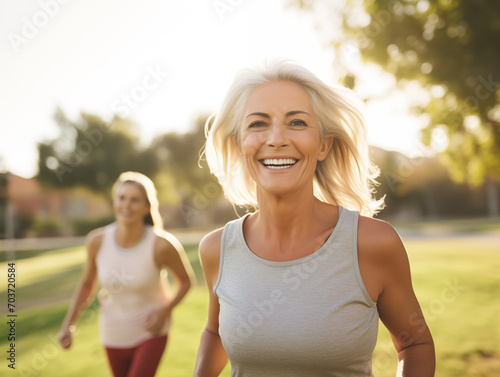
311 145
250 144
116 203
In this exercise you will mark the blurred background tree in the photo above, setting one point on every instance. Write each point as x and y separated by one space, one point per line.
92 153
185 179
449 48
179 156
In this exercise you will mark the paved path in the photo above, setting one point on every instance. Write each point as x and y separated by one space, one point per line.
186 237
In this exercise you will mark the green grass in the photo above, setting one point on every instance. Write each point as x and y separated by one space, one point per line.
52 276
451 225
38 353
457 282
24 254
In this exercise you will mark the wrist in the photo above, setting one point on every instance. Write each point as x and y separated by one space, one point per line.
68 327
167 309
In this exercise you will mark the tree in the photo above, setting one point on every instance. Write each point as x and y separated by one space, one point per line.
185 179
92 153
179 155
449 47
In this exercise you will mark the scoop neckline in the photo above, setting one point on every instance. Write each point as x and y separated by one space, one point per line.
133 248
292 261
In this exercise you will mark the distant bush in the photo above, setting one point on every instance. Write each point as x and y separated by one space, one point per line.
82 226
42 228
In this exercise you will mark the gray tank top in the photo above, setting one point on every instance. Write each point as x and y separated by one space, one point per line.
306 317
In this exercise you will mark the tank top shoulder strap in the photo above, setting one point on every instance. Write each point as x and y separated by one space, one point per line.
231 235
348 226
150 239
348 236
108 235
230 240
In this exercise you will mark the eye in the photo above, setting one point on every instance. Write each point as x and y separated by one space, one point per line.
298 123
257 124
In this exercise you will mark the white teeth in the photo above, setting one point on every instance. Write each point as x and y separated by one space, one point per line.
281 163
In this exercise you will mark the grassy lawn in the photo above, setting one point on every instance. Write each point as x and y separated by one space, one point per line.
38 353
456 280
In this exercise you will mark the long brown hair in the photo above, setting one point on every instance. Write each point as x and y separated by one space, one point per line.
148 188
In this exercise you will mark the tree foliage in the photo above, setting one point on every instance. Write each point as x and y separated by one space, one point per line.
179 157
92 153
451 48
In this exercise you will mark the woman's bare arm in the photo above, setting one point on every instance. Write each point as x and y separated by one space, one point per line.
397 304
212 357
170 253
84 291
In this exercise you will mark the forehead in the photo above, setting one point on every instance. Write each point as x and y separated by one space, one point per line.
130 188
278 96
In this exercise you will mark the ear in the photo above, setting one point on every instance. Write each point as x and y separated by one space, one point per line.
325 147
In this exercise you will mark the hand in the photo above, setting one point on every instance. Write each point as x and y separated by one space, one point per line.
64 337
156 319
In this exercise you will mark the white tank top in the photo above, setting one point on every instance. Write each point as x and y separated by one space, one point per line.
308 317
131 288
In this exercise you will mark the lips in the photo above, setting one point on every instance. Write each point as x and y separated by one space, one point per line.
278 163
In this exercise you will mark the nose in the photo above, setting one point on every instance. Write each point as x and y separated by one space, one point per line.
125 203
277 136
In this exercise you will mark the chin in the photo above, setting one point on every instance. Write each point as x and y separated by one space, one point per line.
277 190
127 220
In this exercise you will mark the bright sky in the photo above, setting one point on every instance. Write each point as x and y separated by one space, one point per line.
161 63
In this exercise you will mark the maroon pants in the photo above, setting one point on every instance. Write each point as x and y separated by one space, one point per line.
139 361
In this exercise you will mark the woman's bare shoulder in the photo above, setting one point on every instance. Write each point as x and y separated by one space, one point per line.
381 254
94 239
209 248
377 236
166 241
209 251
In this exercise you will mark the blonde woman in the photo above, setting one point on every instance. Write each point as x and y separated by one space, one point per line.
126 258
298 286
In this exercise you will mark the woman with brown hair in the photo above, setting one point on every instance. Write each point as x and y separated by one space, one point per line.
127 258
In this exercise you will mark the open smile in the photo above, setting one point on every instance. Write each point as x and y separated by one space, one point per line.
278 163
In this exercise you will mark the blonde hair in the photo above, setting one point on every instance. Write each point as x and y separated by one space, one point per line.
148 188
346 177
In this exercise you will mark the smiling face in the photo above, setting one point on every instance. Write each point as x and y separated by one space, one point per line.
279 138
130 204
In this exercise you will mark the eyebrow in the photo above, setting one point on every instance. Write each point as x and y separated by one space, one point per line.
289 114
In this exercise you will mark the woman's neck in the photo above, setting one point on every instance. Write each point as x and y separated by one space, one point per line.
129 235
286 221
